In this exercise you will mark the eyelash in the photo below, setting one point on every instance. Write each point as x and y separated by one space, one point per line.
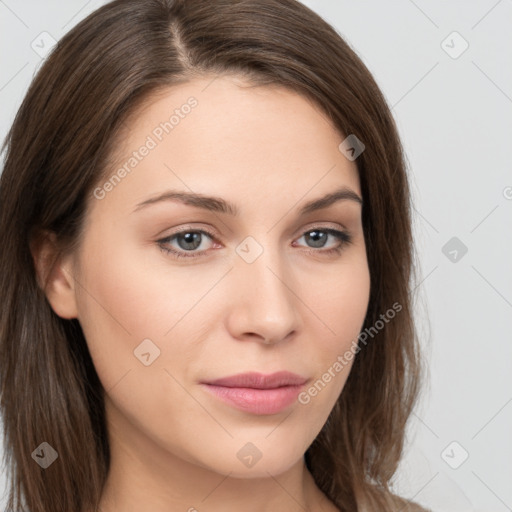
344 238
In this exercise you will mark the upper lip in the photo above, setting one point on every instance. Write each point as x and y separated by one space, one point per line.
259 380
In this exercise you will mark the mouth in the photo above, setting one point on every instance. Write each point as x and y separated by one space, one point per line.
257 393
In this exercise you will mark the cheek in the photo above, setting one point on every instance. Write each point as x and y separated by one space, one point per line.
114 304
351 299
340 301
133 296
340 309
126 310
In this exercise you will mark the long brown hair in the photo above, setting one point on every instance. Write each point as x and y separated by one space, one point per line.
57 151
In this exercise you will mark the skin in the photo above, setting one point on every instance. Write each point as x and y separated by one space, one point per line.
174 446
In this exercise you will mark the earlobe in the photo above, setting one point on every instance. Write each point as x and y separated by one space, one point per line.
54 273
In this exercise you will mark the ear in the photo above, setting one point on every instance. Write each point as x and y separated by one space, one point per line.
54 274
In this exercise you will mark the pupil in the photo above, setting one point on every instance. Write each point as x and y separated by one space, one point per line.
192 240
317 237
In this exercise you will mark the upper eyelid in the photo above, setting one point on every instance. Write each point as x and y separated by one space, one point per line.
202 230
185 228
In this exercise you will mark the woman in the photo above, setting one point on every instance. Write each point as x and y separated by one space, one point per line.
205 270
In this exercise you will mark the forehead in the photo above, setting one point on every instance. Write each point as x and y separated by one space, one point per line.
222 136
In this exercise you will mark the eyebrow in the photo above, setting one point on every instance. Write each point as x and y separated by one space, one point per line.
217 204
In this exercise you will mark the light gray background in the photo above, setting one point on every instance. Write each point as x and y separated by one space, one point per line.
455 119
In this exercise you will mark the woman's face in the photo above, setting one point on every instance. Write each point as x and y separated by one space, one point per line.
264 290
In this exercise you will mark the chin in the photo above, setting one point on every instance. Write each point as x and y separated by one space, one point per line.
259 458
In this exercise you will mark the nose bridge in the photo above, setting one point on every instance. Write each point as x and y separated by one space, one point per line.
264 301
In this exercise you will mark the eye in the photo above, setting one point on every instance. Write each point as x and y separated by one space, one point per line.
188 240
318 237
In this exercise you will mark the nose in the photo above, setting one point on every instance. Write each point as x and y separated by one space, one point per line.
264 304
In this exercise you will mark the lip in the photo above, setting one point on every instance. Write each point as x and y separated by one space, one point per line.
257 393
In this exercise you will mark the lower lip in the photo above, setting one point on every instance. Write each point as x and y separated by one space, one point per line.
257 401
